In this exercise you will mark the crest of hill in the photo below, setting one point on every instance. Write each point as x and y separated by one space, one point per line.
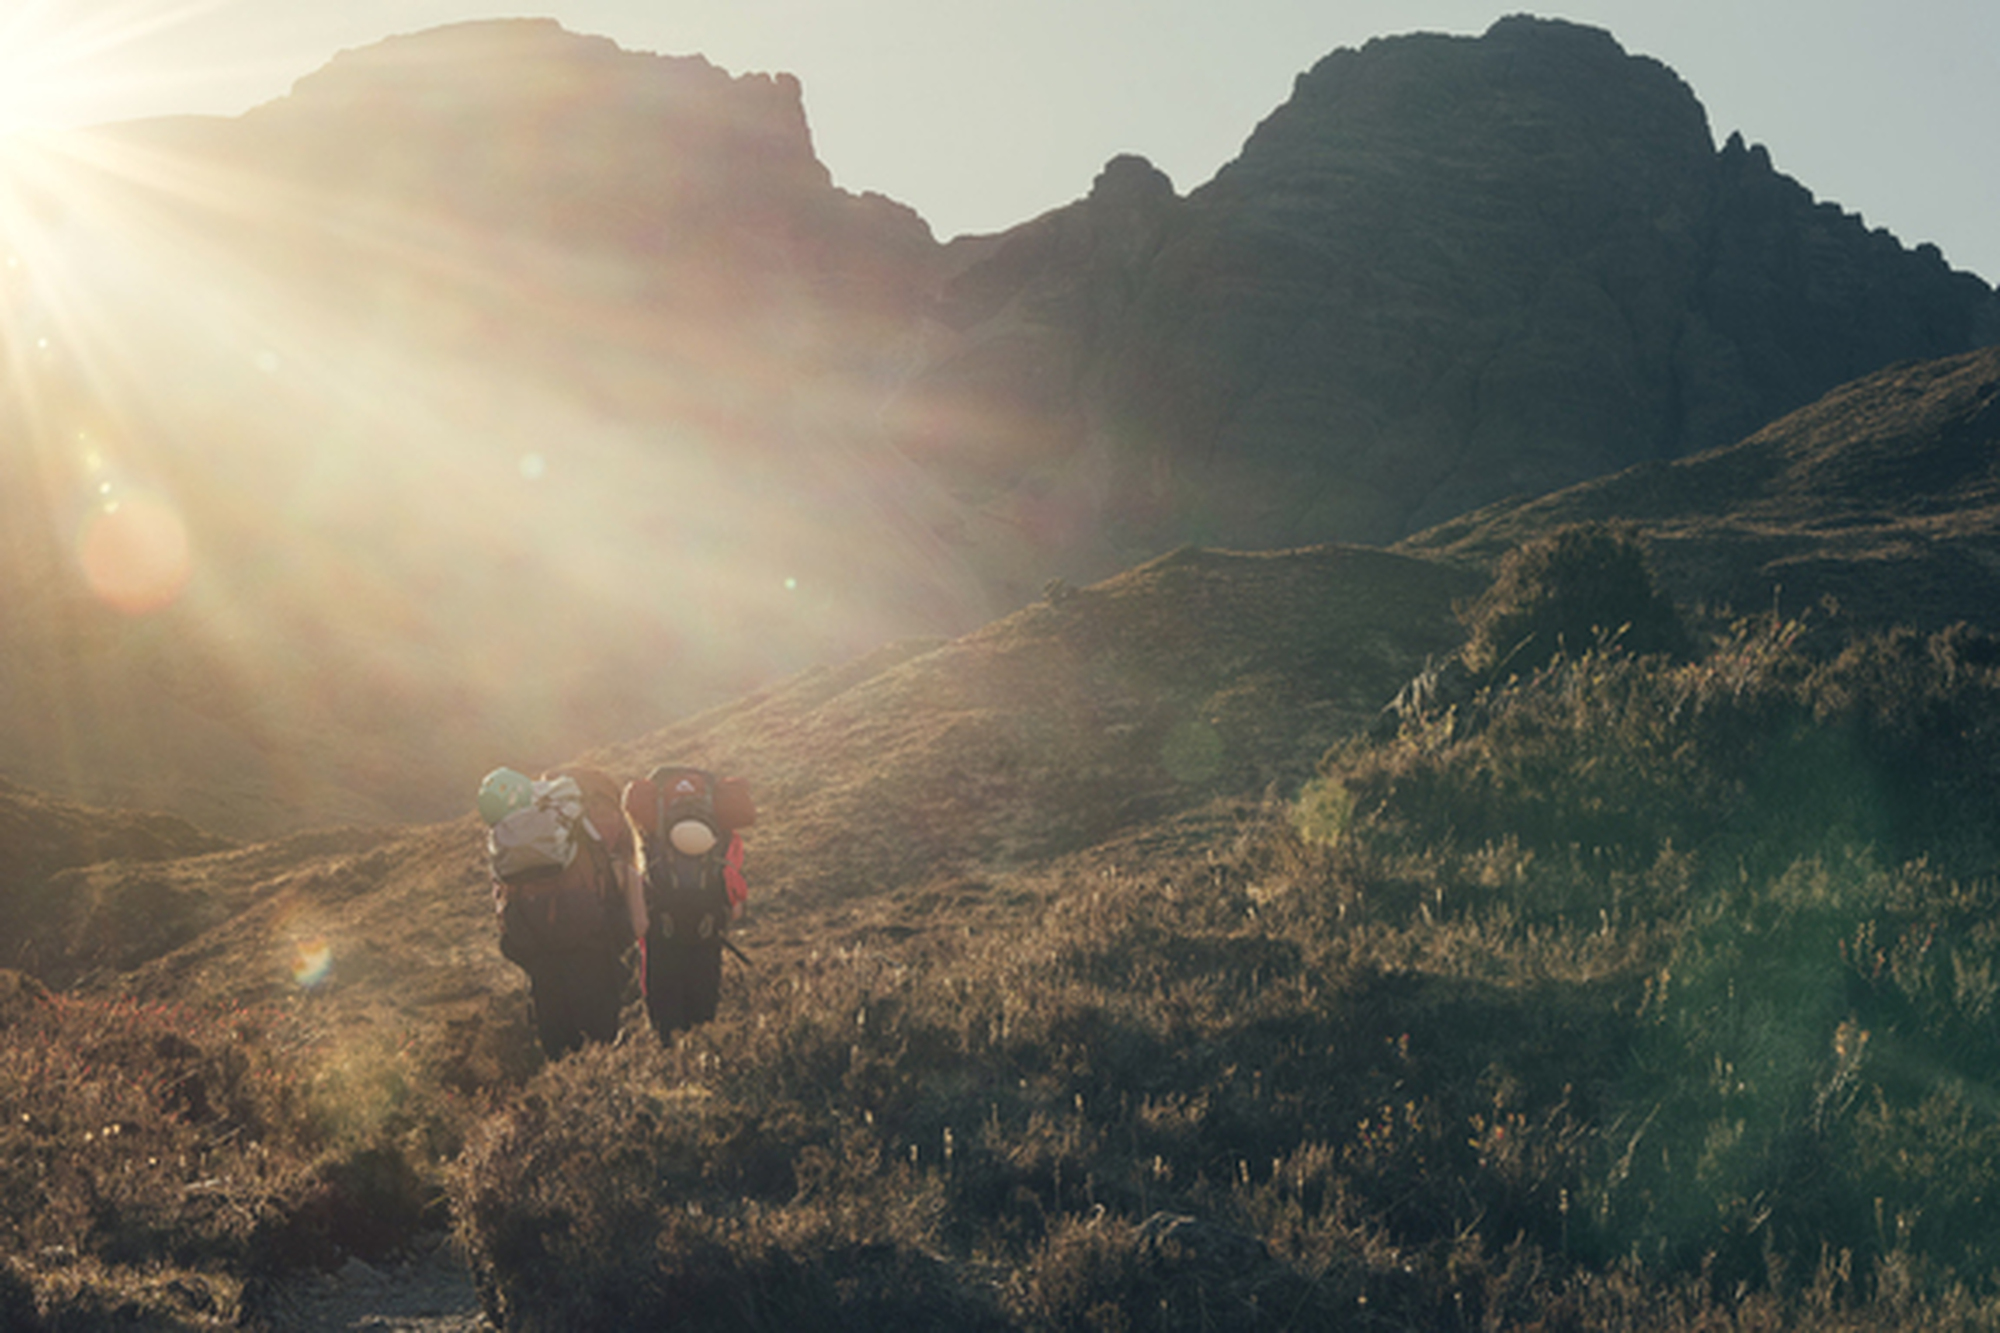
41 835
904 785
1883 496
1198 675
47 842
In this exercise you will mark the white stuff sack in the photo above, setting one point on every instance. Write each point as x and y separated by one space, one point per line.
540 837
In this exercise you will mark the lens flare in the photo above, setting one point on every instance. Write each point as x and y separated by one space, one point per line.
135 553
312 962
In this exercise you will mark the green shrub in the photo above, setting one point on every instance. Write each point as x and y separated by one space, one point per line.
1796 849
1566 593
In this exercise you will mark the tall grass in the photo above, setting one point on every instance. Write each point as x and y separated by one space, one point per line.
158 1161
1640 993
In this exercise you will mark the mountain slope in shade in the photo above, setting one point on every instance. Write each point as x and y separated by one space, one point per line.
1447 270
1883 496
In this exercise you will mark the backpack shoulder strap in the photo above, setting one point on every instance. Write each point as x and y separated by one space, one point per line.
600 854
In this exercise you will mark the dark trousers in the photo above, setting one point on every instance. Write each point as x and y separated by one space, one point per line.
683 981
577 994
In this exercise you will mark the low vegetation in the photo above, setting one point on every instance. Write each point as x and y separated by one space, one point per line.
1633 991
158 1162
1639 993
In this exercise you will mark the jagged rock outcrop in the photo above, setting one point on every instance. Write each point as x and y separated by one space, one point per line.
1447 270
662 185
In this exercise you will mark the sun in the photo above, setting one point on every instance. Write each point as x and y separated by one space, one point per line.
66 63
41 66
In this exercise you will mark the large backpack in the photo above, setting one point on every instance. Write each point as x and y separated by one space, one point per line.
687 821
539 839
554 875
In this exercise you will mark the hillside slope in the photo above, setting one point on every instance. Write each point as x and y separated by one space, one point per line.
1883 496
1199 675
927 768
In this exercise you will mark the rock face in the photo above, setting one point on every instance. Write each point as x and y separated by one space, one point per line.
1447 270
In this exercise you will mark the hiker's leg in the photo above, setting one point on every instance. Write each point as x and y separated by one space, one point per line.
681 980
555 1025
601 993
661 1007
704 981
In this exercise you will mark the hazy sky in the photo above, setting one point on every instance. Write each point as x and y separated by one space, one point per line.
983 115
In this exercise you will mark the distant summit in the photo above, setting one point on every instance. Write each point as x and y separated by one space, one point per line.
1446 270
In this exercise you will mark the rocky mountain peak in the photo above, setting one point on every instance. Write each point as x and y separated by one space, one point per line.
492 112
575 280
1448 270
1130 181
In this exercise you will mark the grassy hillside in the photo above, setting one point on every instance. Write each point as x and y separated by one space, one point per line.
1640 995
908 796
1883 496
1108 973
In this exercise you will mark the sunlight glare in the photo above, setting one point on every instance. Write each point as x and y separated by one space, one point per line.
64 64
135 552
312 962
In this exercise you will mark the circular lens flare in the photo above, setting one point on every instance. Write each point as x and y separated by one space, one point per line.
135 553
312 962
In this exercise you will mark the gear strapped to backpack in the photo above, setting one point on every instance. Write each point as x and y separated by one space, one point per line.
552 871
687 821
538 837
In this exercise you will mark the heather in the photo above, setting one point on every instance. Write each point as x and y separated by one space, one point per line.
1637 992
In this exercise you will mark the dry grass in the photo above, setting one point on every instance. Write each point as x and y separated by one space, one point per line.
1636 994
1400 1073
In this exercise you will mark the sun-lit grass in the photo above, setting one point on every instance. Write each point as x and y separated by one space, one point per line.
156 1158
1642 1002
1628 992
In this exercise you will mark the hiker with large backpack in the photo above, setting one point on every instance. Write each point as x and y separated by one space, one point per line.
566 888
689 824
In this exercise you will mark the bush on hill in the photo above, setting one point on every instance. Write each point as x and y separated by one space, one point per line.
154 1157
1566 593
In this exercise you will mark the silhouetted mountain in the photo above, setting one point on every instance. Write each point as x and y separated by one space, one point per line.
1446 271
514 393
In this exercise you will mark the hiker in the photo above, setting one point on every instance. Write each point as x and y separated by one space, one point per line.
566 888
689 826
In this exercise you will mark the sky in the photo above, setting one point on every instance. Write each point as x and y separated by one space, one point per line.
983 115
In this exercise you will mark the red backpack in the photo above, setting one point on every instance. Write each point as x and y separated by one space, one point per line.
688 822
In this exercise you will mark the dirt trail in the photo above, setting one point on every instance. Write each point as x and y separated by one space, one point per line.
428 1293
